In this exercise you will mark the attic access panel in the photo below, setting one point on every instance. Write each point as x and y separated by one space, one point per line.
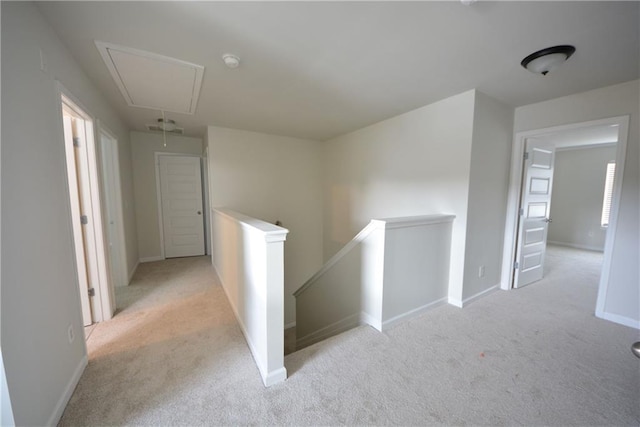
149 80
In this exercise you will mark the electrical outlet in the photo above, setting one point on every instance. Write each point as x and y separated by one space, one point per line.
481 271
70 334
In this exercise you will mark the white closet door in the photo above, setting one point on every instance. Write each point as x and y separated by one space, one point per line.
181 195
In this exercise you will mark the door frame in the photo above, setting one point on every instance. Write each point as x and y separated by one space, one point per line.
113 151
104 305
203 178
515 193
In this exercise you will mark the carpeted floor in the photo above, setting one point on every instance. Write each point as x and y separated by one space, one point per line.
174 355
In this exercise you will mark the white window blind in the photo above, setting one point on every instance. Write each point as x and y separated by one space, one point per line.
608 193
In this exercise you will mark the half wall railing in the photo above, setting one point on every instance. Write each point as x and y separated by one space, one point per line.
248 255
393 269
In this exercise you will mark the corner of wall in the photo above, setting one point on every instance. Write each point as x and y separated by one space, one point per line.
487 197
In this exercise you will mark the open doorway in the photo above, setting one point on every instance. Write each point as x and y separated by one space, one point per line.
96 295
530 223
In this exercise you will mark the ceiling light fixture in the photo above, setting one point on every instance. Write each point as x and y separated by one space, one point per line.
230 60
547 59
167 125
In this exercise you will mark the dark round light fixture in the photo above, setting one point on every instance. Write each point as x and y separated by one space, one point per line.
547 59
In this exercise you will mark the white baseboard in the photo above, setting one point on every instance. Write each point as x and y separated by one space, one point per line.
290 325
335 328
621 320
68 391
472 298
152 259
413 313
461 303
275 377
576 246
132 272
368 319
455 302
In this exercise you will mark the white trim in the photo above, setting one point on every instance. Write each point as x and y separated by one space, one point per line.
133 271
272 233
335 328
206 208
513 202
621 320
104 47
114 150
290 325
462 303
104 307
585 146
413 313
368 319
151 259
416 221
575 246
156 159
621 153
68 391
274 377
454 302
480 294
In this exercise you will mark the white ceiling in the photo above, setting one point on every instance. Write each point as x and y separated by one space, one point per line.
321 69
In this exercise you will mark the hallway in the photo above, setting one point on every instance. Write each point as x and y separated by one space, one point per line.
174 355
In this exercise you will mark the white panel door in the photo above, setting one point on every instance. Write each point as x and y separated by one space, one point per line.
534 212
181 196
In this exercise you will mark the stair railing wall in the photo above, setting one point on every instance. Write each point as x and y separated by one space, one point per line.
393 269
248 255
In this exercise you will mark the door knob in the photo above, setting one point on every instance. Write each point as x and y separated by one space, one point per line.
199 213
548 220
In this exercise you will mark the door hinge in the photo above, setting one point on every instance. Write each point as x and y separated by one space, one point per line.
92 292
84 220
515 265
526 155
521 211
76 141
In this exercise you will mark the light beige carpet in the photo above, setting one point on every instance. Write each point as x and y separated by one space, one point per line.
174 355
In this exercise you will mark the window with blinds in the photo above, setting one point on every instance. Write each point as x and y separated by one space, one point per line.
608 194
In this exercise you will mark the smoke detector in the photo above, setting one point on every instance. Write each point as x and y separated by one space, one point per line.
231 61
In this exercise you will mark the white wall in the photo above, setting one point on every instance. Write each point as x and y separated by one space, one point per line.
40 296
393 269
488 186
144 145
576 201
417 163
248 255
622 302
272 178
